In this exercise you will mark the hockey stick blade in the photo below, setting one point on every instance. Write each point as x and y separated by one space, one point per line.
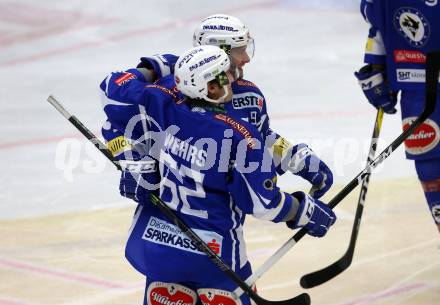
321 276
302 299
432 78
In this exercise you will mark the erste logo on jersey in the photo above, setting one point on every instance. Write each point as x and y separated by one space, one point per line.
159 231
412 25
423 139
247 100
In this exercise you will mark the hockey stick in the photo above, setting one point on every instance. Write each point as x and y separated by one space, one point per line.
432 75
83 129
302 299
321 276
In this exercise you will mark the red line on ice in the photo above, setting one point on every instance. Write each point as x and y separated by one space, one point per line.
28 142
129 35
4 301
65 275
388 293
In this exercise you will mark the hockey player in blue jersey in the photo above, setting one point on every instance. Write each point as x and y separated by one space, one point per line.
248 102
401 33
214 170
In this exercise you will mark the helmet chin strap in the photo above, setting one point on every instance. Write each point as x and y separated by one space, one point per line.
221 99
236 72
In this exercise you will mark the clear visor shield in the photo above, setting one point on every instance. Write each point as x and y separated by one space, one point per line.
240 56
243 53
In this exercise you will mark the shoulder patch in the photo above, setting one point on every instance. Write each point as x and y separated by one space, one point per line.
238 127
126 77
242 82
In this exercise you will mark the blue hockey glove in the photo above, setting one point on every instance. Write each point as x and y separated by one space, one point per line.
307 165
376 89
128 186
139 179
313 215
162 65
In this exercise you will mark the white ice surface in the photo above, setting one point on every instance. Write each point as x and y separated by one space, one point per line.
306 52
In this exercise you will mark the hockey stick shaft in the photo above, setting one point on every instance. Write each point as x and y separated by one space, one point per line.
83 129
432 75
290 243
323 275
302 299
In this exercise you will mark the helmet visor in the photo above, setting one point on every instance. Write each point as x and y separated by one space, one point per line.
243 53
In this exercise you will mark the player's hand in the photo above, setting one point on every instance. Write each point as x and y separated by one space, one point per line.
307 165
161 65
312 214
376 89
128 186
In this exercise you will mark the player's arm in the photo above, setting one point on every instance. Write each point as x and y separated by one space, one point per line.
255 192
126 98
299 159
157 66
129 89
373 77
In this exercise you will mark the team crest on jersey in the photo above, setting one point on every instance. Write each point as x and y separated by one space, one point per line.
423 139
412 25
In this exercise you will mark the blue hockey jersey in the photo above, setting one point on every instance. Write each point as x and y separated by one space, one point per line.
214 170
401 33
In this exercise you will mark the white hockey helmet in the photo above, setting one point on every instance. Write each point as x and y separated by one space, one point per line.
198 66
225 31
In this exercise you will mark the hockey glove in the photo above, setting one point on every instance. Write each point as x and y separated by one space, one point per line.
139 186
128 186
313 215
376 89
307 165
162 65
